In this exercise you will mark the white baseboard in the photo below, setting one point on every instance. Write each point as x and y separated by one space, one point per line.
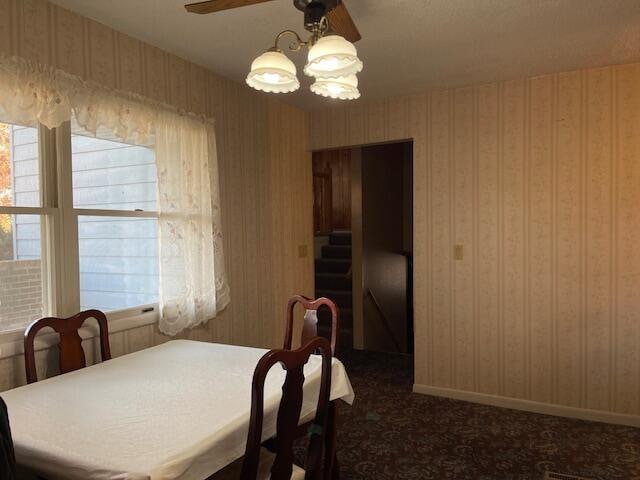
530 406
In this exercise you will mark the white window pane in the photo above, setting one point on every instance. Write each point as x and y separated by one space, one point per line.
19 166
118 262
21 271
111 175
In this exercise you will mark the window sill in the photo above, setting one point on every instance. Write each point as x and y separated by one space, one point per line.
12 344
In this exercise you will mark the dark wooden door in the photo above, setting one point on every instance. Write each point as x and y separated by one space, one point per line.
333 212
322 204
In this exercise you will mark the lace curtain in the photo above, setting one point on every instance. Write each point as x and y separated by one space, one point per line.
192 275
193 286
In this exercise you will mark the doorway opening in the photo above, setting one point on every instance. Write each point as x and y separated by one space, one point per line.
363 232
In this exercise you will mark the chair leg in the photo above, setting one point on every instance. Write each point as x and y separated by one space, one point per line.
335 471
331 467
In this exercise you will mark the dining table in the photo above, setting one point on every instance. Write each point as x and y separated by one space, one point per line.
179 410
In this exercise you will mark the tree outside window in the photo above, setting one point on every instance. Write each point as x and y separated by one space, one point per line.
6 233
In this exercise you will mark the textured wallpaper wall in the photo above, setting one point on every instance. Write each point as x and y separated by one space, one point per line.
539 180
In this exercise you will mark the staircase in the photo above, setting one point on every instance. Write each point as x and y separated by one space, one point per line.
333 280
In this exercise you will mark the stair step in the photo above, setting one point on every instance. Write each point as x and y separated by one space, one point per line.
340 238
342 299
345 341
332 265
345 337
336 251
346 317
333 281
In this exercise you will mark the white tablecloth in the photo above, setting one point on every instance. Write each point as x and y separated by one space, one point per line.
175 411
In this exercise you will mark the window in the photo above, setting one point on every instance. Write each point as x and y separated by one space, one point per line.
78 224
22 279
79 205
114 185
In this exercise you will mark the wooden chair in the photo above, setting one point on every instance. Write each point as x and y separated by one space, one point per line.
260 464
310 330
310 325
71 355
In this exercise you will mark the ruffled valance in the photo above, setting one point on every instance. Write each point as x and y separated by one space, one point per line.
31 93
193 284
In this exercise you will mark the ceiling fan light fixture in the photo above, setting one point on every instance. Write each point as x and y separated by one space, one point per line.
273 72
341 88
332 56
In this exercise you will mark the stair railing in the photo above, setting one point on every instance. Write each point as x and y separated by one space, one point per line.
385 321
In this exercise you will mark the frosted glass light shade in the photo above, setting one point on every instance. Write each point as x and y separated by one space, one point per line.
342 88
273 72
332 56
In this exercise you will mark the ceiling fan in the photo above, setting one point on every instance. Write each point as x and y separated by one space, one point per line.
335 11
332 59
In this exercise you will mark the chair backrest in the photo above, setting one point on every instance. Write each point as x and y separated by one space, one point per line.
71 355
310 325
293 362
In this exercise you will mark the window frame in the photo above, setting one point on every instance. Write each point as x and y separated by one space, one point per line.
59 244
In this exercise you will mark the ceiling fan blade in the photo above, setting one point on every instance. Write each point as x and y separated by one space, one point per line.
341 22
211 6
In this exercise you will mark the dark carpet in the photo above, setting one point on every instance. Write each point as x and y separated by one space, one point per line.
392 433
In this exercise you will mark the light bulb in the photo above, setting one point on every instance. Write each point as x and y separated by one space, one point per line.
273 78
334 88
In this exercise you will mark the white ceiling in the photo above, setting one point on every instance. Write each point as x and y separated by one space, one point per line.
408 45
